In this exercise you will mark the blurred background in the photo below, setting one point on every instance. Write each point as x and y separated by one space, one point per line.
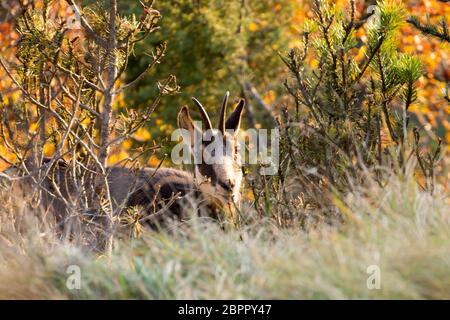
214 46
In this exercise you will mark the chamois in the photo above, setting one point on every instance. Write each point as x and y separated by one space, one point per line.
214 185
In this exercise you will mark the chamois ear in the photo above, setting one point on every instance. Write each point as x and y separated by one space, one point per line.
185 122
234 120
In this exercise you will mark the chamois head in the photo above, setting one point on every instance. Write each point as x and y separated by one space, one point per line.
218 171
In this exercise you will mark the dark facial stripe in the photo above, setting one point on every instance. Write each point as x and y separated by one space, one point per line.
225 186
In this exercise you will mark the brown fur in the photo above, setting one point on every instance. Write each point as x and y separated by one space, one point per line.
162 193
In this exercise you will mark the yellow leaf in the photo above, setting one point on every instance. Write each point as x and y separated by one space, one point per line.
253 27
142 135
117 157
126 144
269 97
49 149
447 137
153 161
33 128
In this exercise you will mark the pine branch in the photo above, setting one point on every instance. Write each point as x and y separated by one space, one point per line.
429 29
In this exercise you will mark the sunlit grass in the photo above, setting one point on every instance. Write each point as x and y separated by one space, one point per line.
400 229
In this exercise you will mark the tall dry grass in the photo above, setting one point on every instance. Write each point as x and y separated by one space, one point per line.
400 229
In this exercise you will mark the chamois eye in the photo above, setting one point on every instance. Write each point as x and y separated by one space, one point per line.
225 186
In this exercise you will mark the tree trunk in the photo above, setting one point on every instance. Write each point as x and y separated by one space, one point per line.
105 117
